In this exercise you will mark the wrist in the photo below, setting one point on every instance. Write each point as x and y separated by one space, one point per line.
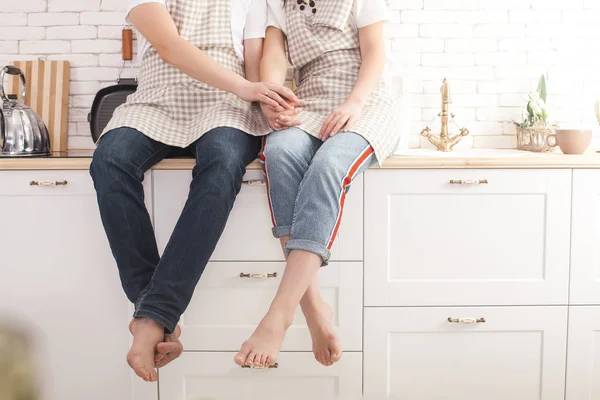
240 86
356 100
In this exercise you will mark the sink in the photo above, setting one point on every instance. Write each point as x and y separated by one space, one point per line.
463 153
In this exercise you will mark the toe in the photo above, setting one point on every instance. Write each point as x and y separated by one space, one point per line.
269 361
250 359
263 360
159 358
242 356
259 360
153 375
328 357
138 367
335 357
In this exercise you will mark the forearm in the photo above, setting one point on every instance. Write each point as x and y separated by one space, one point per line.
192 61
370 73
273 67
253 50
273 70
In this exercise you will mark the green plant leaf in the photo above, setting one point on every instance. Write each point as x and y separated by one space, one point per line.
542 88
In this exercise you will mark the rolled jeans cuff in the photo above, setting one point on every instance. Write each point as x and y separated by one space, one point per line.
143 313
311 247
281 231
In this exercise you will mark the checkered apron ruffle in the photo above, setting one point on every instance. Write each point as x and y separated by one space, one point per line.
325 51
174 109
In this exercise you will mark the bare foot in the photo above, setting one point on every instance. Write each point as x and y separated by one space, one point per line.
262 349
147 334
326 342
169 349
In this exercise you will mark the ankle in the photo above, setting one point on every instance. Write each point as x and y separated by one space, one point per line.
286 317
313 306
144 323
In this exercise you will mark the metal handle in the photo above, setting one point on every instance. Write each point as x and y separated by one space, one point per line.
466 321
10 70
258 276
48 183
255 182
276 365
469 182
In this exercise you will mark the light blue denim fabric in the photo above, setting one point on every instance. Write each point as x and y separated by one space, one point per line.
307 183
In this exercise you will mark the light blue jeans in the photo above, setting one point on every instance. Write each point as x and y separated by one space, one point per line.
307 184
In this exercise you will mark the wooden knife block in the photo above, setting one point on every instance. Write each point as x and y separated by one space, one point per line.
47 95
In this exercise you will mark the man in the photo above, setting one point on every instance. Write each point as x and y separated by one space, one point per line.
192 99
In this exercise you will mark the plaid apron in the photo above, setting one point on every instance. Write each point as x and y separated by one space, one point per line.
175 109
325 51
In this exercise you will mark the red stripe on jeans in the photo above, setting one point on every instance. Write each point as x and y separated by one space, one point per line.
264 161
348 180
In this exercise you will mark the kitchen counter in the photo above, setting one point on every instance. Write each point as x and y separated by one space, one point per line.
406 159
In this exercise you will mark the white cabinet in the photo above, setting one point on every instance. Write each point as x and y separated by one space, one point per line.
416 354
583 362
59 280
207 376
467 237
248 234
585 253
226 307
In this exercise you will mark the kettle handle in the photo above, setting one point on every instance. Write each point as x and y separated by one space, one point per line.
10 70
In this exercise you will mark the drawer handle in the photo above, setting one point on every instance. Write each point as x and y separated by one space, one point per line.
276 365
255 182
466 321
258 276
48 183
469 182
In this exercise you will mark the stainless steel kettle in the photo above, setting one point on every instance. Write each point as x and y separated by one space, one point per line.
22 132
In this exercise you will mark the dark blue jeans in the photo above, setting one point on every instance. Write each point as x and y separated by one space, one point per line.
162 287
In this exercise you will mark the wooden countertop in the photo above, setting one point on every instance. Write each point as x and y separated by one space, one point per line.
80 160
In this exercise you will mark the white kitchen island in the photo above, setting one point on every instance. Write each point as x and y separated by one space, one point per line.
453 277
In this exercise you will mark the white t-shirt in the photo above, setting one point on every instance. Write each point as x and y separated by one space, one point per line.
248 21
367 12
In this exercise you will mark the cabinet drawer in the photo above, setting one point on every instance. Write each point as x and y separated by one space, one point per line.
208 376
416 354
430 242
22 183
585 251
583 359
226 308
248 234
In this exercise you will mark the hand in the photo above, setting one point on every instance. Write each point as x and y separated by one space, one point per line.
279 118
343 117
268 93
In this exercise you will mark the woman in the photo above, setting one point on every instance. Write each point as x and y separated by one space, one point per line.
199 74
347 124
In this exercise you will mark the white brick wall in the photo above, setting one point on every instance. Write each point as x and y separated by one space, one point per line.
492 51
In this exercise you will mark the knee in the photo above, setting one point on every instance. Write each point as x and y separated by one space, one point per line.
288 149
110 164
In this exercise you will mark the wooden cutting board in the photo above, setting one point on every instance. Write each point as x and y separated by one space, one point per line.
47 95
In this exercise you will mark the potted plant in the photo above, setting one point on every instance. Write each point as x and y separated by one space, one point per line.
535 133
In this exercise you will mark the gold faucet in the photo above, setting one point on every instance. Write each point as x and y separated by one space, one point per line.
444 142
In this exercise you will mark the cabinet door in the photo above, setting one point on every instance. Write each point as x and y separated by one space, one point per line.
248 234
60 283
467 237
583 360
207 376
518 353
585 253
226 308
